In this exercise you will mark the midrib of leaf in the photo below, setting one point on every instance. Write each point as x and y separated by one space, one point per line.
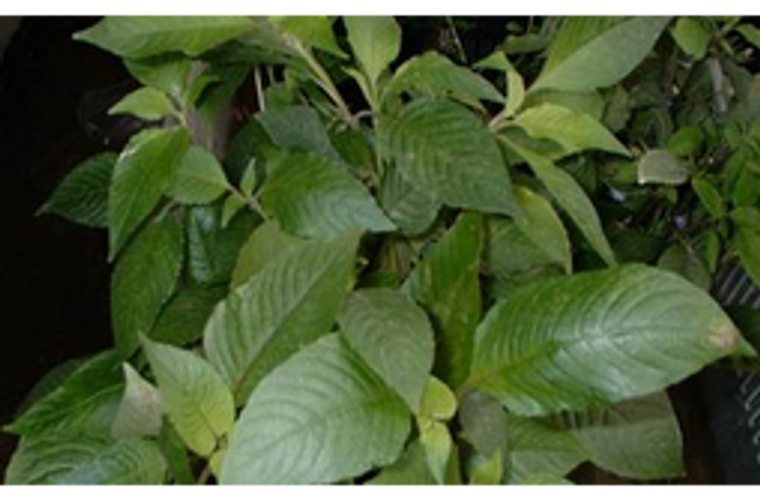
272 335
198 410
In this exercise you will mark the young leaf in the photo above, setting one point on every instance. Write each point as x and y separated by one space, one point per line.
198 178
691 36
541 224
489 472
141 408
145 103
143 36
575 131
431 142
659 166
196 398
571 197
83 459
438 403
143 281
312 196
647 327
446 283
375 42
288 304
82 196
594 52
394 337
438 446
141 176
321 417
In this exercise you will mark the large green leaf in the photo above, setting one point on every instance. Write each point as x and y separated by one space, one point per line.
196 398
447 152
575 131
267 243
571 197
394 337
82 459
198 178
541 224
553 345
638 439
413 210
86 400
312 196
433 74
141 176
375 42
83 195
288 304
143 281
144 36
184 317
446 283
140 410
323 416
297 127
594 52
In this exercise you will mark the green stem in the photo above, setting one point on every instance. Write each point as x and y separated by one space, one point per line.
327 85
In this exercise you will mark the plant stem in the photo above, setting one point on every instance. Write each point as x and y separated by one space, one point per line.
327 85
204 476
259 88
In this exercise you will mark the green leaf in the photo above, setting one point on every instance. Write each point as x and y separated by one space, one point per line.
266 244
432 141
184 317
683 260
297 127
321 417
144 36
196 398
141 408
575 131
141 176
145 103
175 453
691 36
213 248
169 73
509 252
747 217
414 211
750 33
541 224
515 84
232 206
82 196
489 472
446 283
438 402
86 400
590 103
411 469
143 281
434 75
312 196
394 337
661 167
687 141
50 381
595 52
649 328
747 244
709 197
438 446
84 459
288 304
571 197
375 42
484 423
198 178
312 31
637 439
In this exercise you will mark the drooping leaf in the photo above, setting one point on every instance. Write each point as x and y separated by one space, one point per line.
184 317
572 198
321 417
312 196
541 224
142 174
82 196
575 131
434 140
691 36
553 345
145 103
196 398
446 283
83 459
375 42
413 210
144 36
286 305
659 166
141 408
198 178
394 337
266 244
143 281
595 52
297 127
86 400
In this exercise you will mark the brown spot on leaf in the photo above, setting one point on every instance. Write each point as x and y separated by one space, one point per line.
724 335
